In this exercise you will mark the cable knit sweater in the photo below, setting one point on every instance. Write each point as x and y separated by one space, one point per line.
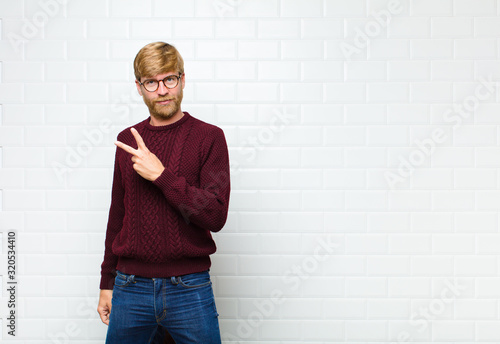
163 228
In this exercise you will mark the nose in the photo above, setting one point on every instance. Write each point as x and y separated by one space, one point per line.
162 89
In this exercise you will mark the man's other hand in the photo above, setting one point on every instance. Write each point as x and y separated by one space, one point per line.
104 306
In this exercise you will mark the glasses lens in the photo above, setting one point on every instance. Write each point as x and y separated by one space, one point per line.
170 81
151 85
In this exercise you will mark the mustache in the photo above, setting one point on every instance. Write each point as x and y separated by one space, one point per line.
163 99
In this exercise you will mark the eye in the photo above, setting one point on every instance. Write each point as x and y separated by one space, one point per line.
170 78
149 82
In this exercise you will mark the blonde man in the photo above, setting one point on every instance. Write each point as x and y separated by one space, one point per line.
170 192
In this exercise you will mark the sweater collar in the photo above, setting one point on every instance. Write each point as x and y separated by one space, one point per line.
168 126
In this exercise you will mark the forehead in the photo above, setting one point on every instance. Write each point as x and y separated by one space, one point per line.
159 76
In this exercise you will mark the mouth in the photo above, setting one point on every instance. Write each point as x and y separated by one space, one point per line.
164 102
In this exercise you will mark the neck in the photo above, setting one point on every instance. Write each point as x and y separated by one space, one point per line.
158 121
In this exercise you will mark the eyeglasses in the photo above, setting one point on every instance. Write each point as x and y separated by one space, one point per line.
171 81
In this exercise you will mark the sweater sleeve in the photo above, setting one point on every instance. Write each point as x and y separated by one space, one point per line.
115 222
207 205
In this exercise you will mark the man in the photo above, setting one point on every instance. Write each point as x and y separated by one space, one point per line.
170 191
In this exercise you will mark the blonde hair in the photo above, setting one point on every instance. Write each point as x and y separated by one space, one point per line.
157 58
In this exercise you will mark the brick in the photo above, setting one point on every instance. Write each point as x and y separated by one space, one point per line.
257 8
45 50
432 266
215 50
290 8
325 200
268 92
12 93
296 222
280 330
338 8
193 28
451 27
11 136
22 72
107 29
22 157
235 29
257 179
237 70
366 244
486 200
65 71
130 8
304 136
344 178
322 71
345 93
108 71
87 50
23 200
366 70
280 200
410 244
11 178
236 286
87 92
278 70
65 29
409 27
408 70
475 48
365 200
432 178
431 92
381 48
303 93
323 330
86 9
470 222
432 8
432 48
322 28
395 92
453 330
258 50
301 50
486 27
363 157
414 287
12 9
475 8
12 48
173 9
388 309
144 28
487 331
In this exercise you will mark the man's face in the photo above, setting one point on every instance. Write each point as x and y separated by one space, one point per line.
163 103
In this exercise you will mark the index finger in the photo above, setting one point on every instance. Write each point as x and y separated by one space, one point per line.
126 148
138 139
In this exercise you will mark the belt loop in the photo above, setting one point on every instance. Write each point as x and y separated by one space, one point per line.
132 278
174 280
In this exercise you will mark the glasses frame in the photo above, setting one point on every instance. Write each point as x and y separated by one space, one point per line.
163 81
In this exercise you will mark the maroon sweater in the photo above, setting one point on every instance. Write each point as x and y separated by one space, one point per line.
163 228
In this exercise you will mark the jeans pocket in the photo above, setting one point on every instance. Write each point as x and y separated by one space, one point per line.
196 280
121 279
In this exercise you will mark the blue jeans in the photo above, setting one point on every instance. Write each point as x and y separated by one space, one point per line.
184 305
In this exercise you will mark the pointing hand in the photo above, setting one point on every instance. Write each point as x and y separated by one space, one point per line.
145 163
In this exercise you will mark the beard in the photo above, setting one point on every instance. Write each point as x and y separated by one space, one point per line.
164 111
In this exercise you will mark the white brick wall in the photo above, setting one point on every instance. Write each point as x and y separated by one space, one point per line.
365 161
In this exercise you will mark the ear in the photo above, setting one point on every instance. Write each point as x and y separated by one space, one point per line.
183 80
138 87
